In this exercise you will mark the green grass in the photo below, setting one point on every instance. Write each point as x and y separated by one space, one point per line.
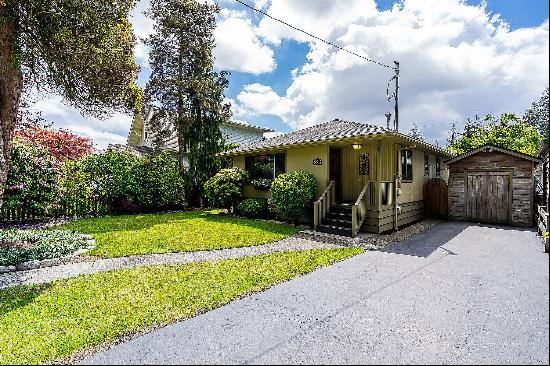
119 236
43 323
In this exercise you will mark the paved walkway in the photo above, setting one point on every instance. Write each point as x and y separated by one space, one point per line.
49 274
452 294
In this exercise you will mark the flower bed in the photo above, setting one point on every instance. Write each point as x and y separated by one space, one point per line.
22 246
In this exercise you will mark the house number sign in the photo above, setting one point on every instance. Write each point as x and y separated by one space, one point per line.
318 161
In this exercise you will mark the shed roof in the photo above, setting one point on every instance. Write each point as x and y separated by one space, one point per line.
334 130
491 148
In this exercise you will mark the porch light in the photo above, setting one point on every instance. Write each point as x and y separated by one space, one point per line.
356 146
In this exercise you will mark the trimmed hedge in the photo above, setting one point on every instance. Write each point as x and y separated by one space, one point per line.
252 207
293 193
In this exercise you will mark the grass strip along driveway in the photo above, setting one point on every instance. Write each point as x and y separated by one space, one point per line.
120 236
44 323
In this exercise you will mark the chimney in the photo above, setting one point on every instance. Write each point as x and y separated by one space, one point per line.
388 117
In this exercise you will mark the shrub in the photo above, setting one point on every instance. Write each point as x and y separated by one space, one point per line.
18 246
293 193
108 178
252 207
224 189
160 184
32 179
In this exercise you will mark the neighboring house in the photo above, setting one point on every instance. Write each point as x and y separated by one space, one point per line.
368 177
142 138
492 185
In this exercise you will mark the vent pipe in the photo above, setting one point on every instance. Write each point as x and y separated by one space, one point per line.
388 118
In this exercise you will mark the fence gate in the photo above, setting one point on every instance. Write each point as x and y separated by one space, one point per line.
436 198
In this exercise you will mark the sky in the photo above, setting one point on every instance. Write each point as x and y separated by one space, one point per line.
457 59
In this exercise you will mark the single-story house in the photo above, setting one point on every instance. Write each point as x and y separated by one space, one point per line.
368 177
141 136
492 185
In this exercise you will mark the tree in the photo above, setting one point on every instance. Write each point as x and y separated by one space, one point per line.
415 132
183 87
471 126
61 144
507 131
453 135
81 50
537 116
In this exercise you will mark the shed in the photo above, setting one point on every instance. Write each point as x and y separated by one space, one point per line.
492 185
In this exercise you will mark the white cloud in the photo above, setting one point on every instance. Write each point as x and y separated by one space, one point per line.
455 58
238 47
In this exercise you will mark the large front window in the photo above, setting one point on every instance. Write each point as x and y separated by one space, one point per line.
406 165
264 168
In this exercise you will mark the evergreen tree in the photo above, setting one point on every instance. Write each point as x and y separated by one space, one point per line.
471 126
453 135
537 116
184 87
415 132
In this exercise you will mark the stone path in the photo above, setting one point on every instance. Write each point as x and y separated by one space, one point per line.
45 275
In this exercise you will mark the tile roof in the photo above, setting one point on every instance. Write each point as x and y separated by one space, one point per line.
332 130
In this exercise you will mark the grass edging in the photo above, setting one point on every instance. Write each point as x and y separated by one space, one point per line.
70 318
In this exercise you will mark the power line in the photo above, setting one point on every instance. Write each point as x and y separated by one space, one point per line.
314 36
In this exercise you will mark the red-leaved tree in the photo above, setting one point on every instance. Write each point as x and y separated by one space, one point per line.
61 144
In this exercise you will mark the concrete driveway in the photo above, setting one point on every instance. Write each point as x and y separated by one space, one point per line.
456 293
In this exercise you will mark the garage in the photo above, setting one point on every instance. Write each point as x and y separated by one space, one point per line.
492 185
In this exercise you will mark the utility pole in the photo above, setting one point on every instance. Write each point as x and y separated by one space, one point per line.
394 95
396 69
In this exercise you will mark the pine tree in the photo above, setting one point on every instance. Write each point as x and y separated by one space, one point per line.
538 115
453 135
184 87
415 132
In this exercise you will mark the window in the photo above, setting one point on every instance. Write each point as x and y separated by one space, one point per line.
438 166
264 168
426 165
406 165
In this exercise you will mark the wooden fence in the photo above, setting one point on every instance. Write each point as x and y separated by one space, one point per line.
70 209
436 198
542 225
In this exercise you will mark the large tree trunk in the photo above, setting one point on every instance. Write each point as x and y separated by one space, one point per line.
11 83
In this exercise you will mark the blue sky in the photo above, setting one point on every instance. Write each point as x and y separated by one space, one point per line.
457 59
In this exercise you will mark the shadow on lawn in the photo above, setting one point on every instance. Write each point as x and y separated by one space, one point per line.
106 224
13 298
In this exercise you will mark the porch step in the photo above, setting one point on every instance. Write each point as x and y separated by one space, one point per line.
341 208
337 222
336 230
338 216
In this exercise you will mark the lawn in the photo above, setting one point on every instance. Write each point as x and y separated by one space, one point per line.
44 323
119 236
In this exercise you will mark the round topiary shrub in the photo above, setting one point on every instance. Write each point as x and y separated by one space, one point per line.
293 193
252 207
224 189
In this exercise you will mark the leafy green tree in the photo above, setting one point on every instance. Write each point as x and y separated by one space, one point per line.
538 115
79 49
507 131
184 88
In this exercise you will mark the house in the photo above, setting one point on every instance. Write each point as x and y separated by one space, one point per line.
141 137
368 177
492 185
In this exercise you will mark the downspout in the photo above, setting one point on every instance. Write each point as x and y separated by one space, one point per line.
397 180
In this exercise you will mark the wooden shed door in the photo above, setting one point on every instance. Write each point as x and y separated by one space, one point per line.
488 197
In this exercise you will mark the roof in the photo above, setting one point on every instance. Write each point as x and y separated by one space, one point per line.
491 148
247 126
334 130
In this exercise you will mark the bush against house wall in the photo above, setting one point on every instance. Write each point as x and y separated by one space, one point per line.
292 194
252 207
225 189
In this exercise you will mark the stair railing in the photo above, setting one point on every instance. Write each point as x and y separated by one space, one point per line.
322 205
359 210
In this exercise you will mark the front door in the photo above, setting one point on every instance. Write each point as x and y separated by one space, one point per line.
334 170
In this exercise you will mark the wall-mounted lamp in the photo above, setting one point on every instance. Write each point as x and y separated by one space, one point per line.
356 146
